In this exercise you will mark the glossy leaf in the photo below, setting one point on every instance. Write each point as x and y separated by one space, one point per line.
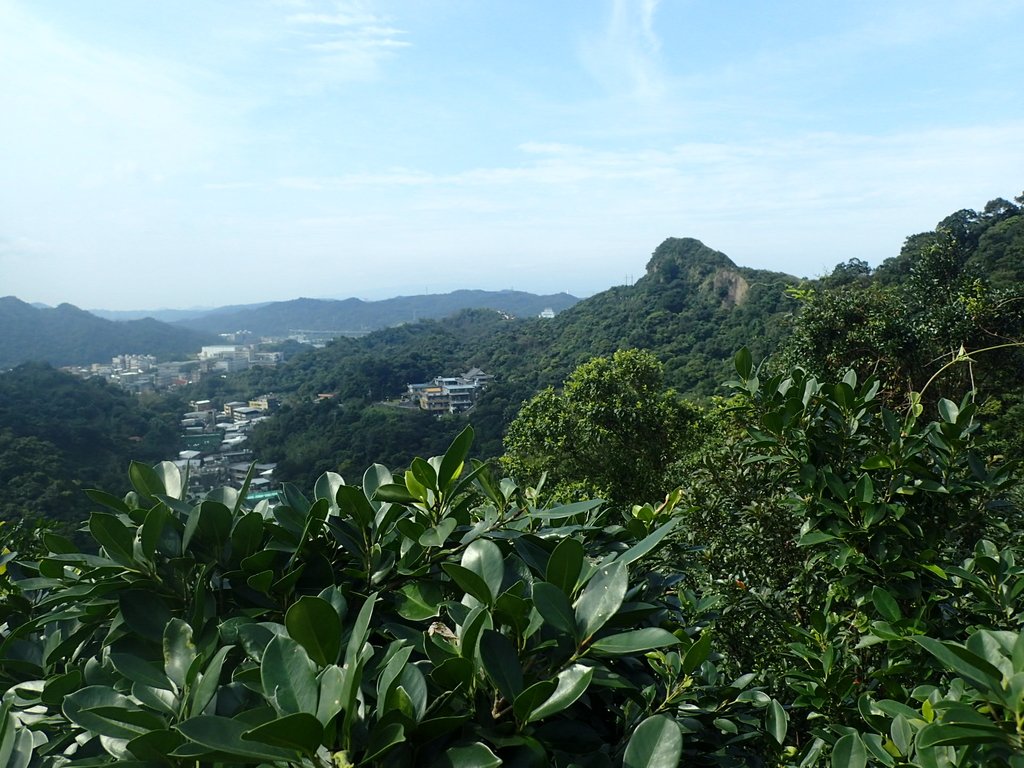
475 755
656 743
179 651
288 677
314 623
484 558
601 599
634 641
776 721
222 734
454 458
553 604
300 731
571 683
849 752
565 564
501 663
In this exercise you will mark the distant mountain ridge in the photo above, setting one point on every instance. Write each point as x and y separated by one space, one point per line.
354 315
67 335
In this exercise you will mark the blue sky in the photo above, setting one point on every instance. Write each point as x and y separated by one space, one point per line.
190 153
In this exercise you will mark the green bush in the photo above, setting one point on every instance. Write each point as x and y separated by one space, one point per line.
442 617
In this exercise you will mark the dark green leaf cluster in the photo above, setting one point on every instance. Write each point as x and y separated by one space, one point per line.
438 617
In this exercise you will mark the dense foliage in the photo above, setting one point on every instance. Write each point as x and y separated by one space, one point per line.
61 434
836 580
437 618
613 431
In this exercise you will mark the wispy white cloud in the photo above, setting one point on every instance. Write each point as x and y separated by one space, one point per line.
624 55
347 41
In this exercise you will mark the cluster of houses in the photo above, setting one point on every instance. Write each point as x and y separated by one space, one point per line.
142 373
448 394
216 453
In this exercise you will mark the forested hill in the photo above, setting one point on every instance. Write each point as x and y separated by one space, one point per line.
67 335
356 315
693 308
60 434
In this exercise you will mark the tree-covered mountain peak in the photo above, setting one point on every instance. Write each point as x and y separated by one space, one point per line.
685 262
686 256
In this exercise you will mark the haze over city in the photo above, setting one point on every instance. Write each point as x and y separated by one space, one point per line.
194 153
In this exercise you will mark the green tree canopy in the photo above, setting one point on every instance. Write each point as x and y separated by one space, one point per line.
614 429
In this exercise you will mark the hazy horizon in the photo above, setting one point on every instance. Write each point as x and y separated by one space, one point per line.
207 154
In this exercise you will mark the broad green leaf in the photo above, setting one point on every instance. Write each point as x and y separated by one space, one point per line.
811 538
152 529
114 536
332 685
327 485
743 363
501 663
648 543
476 755
355 506
314 623
469 632
571 684
566 510
412 682
634 641
419 600
389 675
697 653
939 734
601 599
438 535
553 604
246 536
964 663
288 678
424 473
469 582
393 492
878 461
145 481
154 746
179 651
776 721
300 731
864 492
565 564
948 410
902 734
145 613
205 688
656 743
374 477
382 738
170 478
223 734
107 500
531 698
139 670
106 712
454 459
483 557
849 752
886 605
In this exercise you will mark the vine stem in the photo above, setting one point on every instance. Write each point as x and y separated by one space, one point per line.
962 355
